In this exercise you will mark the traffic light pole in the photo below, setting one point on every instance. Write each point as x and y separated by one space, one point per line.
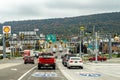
81 38
110 47
80 45
4 47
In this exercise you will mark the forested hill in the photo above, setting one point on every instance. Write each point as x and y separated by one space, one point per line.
106 22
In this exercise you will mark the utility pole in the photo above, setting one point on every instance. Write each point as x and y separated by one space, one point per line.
96 49
110 46
4 47
93 37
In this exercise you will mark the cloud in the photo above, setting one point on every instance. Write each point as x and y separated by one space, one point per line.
33 9
84 4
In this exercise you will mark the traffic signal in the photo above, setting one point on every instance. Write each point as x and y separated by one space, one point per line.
22 36
58 38
55 46
50 42
7 44
6 35
61 42
65 45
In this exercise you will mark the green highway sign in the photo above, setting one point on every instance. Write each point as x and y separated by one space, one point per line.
51 37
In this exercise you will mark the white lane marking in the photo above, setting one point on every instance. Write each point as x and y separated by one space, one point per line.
44 74
13 69
20 78
66 75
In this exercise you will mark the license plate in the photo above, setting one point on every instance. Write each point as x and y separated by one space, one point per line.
75 61
46 64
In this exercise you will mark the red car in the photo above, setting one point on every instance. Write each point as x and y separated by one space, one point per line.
28 59
99 58
46 60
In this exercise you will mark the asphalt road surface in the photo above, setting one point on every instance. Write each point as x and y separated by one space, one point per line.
91 71
44 74
29 72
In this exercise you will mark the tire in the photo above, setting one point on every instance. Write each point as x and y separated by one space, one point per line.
62 62
54 67
25 62
69 67
90 60
65 64
39 66
81 67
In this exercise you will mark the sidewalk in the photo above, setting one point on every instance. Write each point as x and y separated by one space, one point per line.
6 60
5 63
113 60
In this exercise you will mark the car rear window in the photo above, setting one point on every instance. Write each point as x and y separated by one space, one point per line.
75 58
46 55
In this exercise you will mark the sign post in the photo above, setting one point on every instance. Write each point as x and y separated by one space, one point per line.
6 30
81 30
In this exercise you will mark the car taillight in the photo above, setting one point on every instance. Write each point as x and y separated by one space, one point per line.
38 59
70 61
80 61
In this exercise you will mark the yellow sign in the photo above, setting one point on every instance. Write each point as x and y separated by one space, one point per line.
6 29
82 28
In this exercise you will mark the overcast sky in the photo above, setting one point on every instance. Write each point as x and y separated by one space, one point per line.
43 9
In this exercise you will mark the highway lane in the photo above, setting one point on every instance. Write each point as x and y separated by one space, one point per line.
21 71
44 74
91 72
14 72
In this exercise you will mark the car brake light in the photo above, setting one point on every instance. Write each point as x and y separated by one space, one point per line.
38 59
81 61
70 61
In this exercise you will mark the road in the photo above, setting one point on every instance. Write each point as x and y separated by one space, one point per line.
16 70
44 74
13 70
92 71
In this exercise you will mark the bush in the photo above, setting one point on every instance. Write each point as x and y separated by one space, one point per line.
118 55
1 57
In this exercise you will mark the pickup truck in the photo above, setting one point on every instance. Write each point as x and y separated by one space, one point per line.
46 60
